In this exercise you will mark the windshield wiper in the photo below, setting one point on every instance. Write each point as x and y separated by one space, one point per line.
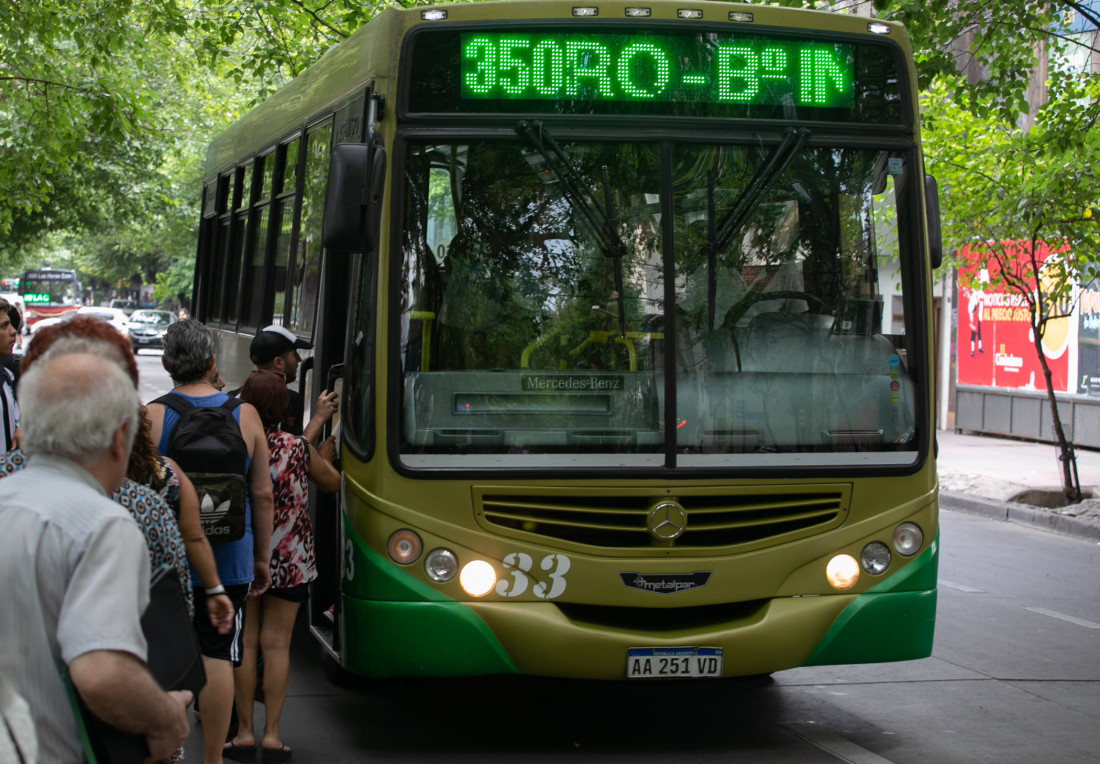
720 234
600 218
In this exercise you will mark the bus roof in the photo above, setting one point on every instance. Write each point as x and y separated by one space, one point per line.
344 69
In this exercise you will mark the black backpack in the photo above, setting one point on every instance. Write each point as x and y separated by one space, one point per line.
208 446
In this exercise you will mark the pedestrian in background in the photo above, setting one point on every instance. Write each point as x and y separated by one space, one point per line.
11 362
10 408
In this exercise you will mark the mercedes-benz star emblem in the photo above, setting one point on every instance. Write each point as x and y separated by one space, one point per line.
667 520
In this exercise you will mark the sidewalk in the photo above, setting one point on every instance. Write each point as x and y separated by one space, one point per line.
1013 479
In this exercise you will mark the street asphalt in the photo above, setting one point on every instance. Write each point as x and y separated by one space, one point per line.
1017 481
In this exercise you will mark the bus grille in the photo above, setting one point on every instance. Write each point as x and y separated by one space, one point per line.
665 619
713 519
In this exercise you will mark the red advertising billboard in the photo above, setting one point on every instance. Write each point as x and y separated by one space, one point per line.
995 340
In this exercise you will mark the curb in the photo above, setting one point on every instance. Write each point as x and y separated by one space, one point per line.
1021 514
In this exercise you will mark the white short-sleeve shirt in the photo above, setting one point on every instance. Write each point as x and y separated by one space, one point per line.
76 575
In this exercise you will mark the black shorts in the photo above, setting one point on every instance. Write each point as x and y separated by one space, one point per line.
224 647
291 593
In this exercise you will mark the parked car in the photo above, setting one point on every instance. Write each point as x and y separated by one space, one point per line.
115 317
126 306
147 328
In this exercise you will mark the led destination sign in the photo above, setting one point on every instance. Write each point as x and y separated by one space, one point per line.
48 276
579 69
656 68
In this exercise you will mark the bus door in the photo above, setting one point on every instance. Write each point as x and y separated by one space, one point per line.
351 124
325 374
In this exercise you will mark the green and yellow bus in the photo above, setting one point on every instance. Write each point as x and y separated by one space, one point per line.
629 309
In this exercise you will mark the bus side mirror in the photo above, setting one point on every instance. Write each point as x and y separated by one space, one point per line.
932 205
353 198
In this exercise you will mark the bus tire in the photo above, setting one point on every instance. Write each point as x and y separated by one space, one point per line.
334 672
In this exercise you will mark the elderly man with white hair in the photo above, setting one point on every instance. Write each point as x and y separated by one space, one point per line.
74 563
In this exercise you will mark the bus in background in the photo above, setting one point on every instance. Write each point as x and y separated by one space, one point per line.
629 309
48 293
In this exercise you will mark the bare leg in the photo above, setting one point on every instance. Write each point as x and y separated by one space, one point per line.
216 702
275 634
244 676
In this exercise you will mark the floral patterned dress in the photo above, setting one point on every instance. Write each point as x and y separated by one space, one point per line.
292 556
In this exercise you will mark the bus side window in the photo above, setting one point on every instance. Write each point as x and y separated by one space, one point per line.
306 281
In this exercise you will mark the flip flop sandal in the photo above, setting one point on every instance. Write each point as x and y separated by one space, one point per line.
272 755
241 753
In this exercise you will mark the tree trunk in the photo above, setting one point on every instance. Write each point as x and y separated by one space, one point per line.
1071 486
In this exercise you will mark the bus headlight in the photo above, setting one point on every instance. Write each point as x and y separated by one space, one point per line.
875 558
842 571
477 578
441 565
908 539
404 547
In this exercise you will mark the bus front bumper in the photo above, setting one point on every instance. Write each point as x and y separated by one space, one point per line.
890 623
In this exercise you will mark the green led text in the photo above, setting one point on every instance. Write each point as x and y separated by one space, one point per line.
623 67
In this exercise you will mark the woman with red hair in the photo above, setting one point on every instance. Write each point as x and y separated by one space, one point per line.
269 619
152 480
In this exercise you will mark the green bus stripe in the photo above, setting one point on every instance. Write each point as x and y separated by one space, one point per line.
893 621
404 627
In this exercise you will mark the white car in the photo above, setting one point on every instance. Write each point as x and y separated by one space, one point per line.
126 306
115 317
147 328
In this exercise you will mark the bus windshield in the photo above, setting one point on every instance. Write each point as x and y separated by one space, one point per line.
571 304
50 288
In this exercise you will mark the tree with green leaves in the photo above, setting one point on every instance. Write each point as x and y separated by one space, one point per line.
1022 201
1022 198
76 107
106 109
1016 175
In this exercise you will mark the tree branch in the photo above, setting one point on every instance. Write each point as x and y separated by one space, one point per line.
1084 10
318 20
37 81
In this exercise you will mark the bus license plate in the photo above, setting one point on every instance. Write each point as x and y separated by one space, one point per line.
673 662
